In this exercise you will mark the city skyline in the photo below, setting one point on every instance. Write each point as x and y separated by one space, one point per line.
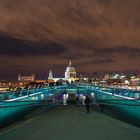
39 35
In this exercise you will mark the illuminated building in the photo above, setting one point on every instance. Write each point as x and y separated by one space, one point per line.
30 78
70 72
135 81
50 77
70 75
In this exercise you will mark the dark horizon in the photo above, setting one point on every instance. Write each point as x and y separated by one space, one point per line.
43 76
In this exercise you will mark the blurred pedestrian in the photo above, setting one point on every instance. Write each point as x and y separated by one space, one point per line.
87 103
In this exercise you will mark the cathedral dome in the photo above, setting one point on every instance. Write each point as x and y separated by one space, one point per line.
70 71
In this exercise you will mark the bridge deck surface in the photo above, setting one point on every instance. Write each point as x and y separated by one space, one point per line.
71 123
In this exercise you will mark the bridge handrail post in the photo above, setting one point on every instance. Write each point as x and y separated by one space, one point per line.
28 93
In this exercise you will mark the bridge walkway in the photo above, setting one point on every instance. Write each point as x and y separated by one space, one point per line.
71 123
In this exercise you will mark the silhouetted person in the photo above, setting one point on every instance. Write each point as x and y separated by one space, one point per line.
87 102
77 100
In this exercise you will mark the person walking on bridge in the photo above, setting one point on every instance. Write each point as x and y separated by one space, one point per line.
87 103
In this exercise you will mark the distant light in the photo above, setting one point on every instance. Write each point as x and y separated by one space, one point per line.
126 82
92 94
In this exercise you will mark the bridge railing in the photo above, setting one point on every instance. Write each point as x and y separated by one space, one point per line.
17 95
15 111
12 109
122 93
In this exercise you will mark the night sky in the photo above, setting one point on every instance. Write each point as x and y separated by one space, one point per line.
97 35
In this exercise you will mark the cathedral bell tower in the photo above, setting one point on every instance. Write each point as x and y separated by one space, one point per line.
50 77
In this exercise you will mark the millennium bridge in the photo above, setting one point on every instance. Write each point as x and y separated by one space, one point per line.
58 112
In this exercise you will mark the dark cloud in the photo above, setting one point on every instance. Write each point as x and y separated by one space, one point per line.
80 17
118 49
98 35
11 46
106 2
97 61
103 61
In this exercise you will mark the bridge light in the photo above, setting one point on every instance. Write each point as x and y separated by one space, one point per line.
92 95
